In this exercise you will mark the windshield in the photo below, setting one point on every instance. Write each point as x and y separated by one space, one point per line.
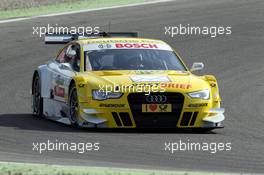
133 59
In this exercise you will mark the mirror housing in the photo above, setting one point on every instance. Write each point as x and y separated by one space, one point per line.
197 66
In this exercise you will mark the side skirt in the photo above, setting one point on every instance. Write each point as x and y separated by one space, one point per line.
55 110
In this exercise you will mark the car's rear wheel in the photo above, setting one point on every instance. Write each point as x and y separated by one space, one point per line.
37 99
73 103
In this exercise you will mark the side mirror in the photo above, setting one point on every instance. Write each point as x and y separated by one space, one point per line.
65 66
197 66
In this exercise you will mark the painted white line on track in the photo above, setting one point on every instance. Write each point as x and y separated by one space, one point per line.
82 11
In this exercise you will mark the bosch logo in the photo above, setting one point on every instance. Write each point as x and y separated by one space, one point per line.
136 45
156 98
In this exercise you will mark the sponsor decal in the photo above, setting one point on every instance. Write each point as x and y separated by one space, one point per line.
137 86
145 84
112 105
196 105
176 85
59 80
110 41
136 45
148 71
156 108
128 45
59 91
104 46
145 78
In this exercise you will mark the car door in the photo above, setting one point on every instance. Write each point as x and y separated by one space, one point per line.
62 73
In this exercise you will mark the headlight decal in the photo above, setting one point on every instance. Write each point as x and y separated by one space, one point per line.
203 94
102 95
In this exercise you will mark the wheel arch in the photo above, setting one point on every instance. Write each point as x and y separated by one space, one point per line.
45 80
72 82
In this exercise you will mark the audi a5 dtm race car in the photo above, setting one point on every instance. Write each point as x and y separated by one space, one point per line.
117 80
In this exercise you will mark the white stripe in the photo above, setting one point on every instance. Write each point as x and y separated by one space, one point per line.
82 11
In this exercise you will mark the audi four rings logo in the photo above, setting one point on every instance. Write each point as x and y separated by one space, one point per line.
156 98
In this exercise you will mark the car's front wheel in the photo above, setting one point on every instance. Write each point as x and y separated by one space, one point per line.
37 99
73 103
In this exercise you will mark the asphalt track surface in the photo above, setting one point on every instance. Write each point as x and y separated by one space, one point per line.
237 61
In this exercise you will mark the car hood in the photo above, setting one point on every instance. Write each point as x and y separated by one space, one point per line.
170 80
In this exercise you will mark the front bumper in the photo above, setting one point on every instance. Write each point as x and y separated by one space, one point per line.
123 118
126 112
216 118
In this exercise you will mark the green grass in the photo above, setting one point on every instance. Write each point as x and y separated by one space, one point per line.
41 169
63 7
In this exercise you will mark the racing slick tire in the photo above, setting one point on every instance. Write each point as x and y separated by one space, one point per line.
37 99
73 106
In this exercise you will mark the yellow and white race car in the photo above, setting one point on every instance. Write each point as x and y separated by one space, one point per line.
117 80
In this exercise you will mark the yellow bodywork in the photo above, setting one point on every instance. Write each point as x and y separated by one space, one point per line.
183 81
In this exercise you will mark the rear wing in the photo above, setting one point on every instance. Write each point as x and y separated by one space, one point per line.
62 38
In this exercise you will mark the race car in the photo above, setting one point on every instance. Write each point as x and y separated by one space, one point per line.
118 80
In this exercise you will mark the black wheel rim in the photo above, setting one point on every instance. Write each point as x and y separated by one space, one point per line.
36 96
73 106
